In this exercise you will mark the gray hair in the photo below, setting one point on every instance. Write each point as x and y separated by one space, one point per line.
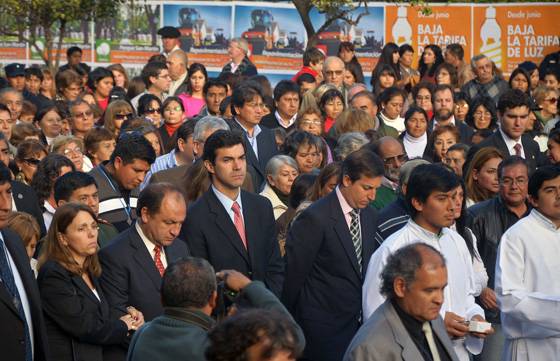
348 143
207 123
476 58
408 167
181 55
242 43
404 263
75 103
8 91
276 162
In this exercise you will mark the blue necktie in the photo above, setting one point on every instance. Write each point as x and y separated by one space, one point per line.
10 284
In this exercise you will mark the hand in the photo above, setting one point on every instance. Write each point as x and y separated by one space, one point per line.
235 281
455 325
129 321
136 315
479 334
488 299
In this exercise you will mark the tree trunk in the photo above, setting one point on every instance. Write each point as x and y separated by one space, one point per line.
85 30
304 7
61 32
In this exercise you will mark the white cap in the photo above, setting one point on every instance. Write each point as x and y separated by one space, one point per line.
490 12
401 12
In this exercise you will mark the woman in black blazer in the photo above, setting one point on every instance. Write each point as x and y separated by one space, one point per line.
78 318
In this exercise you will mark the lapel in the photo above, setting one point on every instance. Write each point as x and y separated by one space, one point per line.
368 233
251 156
224 223
439 329
81 284
409 350
500 143
7 299
343 233
264 144
529 151
143 258
251 233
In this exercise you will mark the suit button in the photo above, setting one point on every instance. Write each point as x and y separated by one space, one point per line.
250 274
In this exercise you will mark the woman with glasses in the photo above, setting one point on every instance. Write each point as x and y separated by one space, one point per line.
305 148
115 115
72 148
173 117
69 85
547 100
422 97
101 82
482 114
193 101
29 154
78 317
151 108
49 121
311 120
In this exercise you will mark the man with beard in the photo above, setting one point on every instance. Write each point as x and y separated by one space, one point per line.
443 105
391 151
430 198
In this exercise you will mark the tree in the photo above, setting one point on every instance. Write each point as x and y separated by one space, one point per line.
49 19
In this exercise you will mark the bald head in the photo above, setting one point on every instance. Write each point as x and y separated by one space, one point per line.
177 63
333 71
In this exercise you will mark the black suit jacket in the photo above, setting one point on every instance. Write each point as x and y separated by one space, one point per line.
323 282
26 201
266 144
211 234
78 323
530 147
130 276
271 122
465 132
11 325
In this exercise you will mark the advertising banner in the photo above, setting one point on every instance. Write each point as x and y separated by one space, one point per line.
205 30
78 33
512 34
275 34
130 36
445 25
367 36
12 47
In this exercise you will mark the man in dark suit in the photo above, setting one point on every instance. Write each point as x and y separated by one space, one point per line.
327 252
229 227
407 326
513 111
286 102
444 106
26 201
134 262
22 330
247 107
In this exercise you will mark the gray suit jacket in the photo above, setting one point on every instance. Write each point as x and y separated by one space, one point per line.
383 337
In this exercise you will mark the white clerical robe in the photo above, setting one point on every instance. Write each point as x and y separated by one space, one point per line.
459 293
528 289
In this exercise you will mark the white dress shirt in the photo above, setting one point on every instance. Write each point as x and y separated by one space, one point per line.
459 293
510 143
528 288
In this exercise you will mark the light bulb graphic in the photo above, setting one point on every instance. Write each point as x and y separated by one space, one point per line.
402 31
491 35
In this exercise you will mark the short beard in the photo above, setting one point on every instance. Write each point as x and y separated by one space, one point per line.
441 116
392 174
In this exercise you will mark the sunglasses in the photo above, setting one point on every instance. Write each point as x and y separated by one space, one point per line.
123 116
153 110
32 161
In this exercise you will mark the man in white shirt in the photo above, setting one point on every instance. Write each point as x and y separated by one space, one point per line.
527 282
430 192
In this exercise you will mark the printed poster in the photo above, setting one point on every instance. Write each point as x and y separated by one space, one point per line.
12 48
205 30
445 25
367 35
275 34
512 34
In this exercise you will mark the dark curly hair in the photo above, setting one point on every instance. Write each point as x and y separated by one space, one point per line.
276 332
48 171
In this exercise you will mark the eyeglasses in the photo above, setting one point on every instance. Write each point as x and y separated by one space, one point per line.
521 181
69 151
551 100
153 110
32 161
333 72
311 122
421 98
123 116
400 158
256 105
482 114
84 115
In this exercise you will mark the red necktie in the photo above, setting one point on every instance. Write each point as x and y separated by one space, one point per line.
517 148
238 221
157 259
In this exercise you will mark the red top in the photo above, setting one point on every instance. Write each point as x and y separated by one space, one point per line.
304 70
329 122
103 103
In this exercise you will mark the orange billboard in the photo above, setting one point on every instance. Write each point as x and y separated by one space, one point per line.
512 34
445 25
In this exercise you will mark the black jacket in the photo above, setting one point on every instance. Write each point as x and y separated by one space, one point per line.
26 201
78 324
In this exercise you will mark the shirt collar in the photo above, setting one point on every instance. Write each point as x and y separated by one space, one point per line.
256 129
280 120
425 233
343 203
547 223
149 244
510 143
226 201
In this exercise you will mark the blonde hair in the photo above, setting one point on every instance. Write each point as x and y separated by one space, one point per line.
25 225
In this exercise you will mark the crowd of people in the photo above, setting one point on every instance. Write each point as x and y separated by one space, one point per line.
175 216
